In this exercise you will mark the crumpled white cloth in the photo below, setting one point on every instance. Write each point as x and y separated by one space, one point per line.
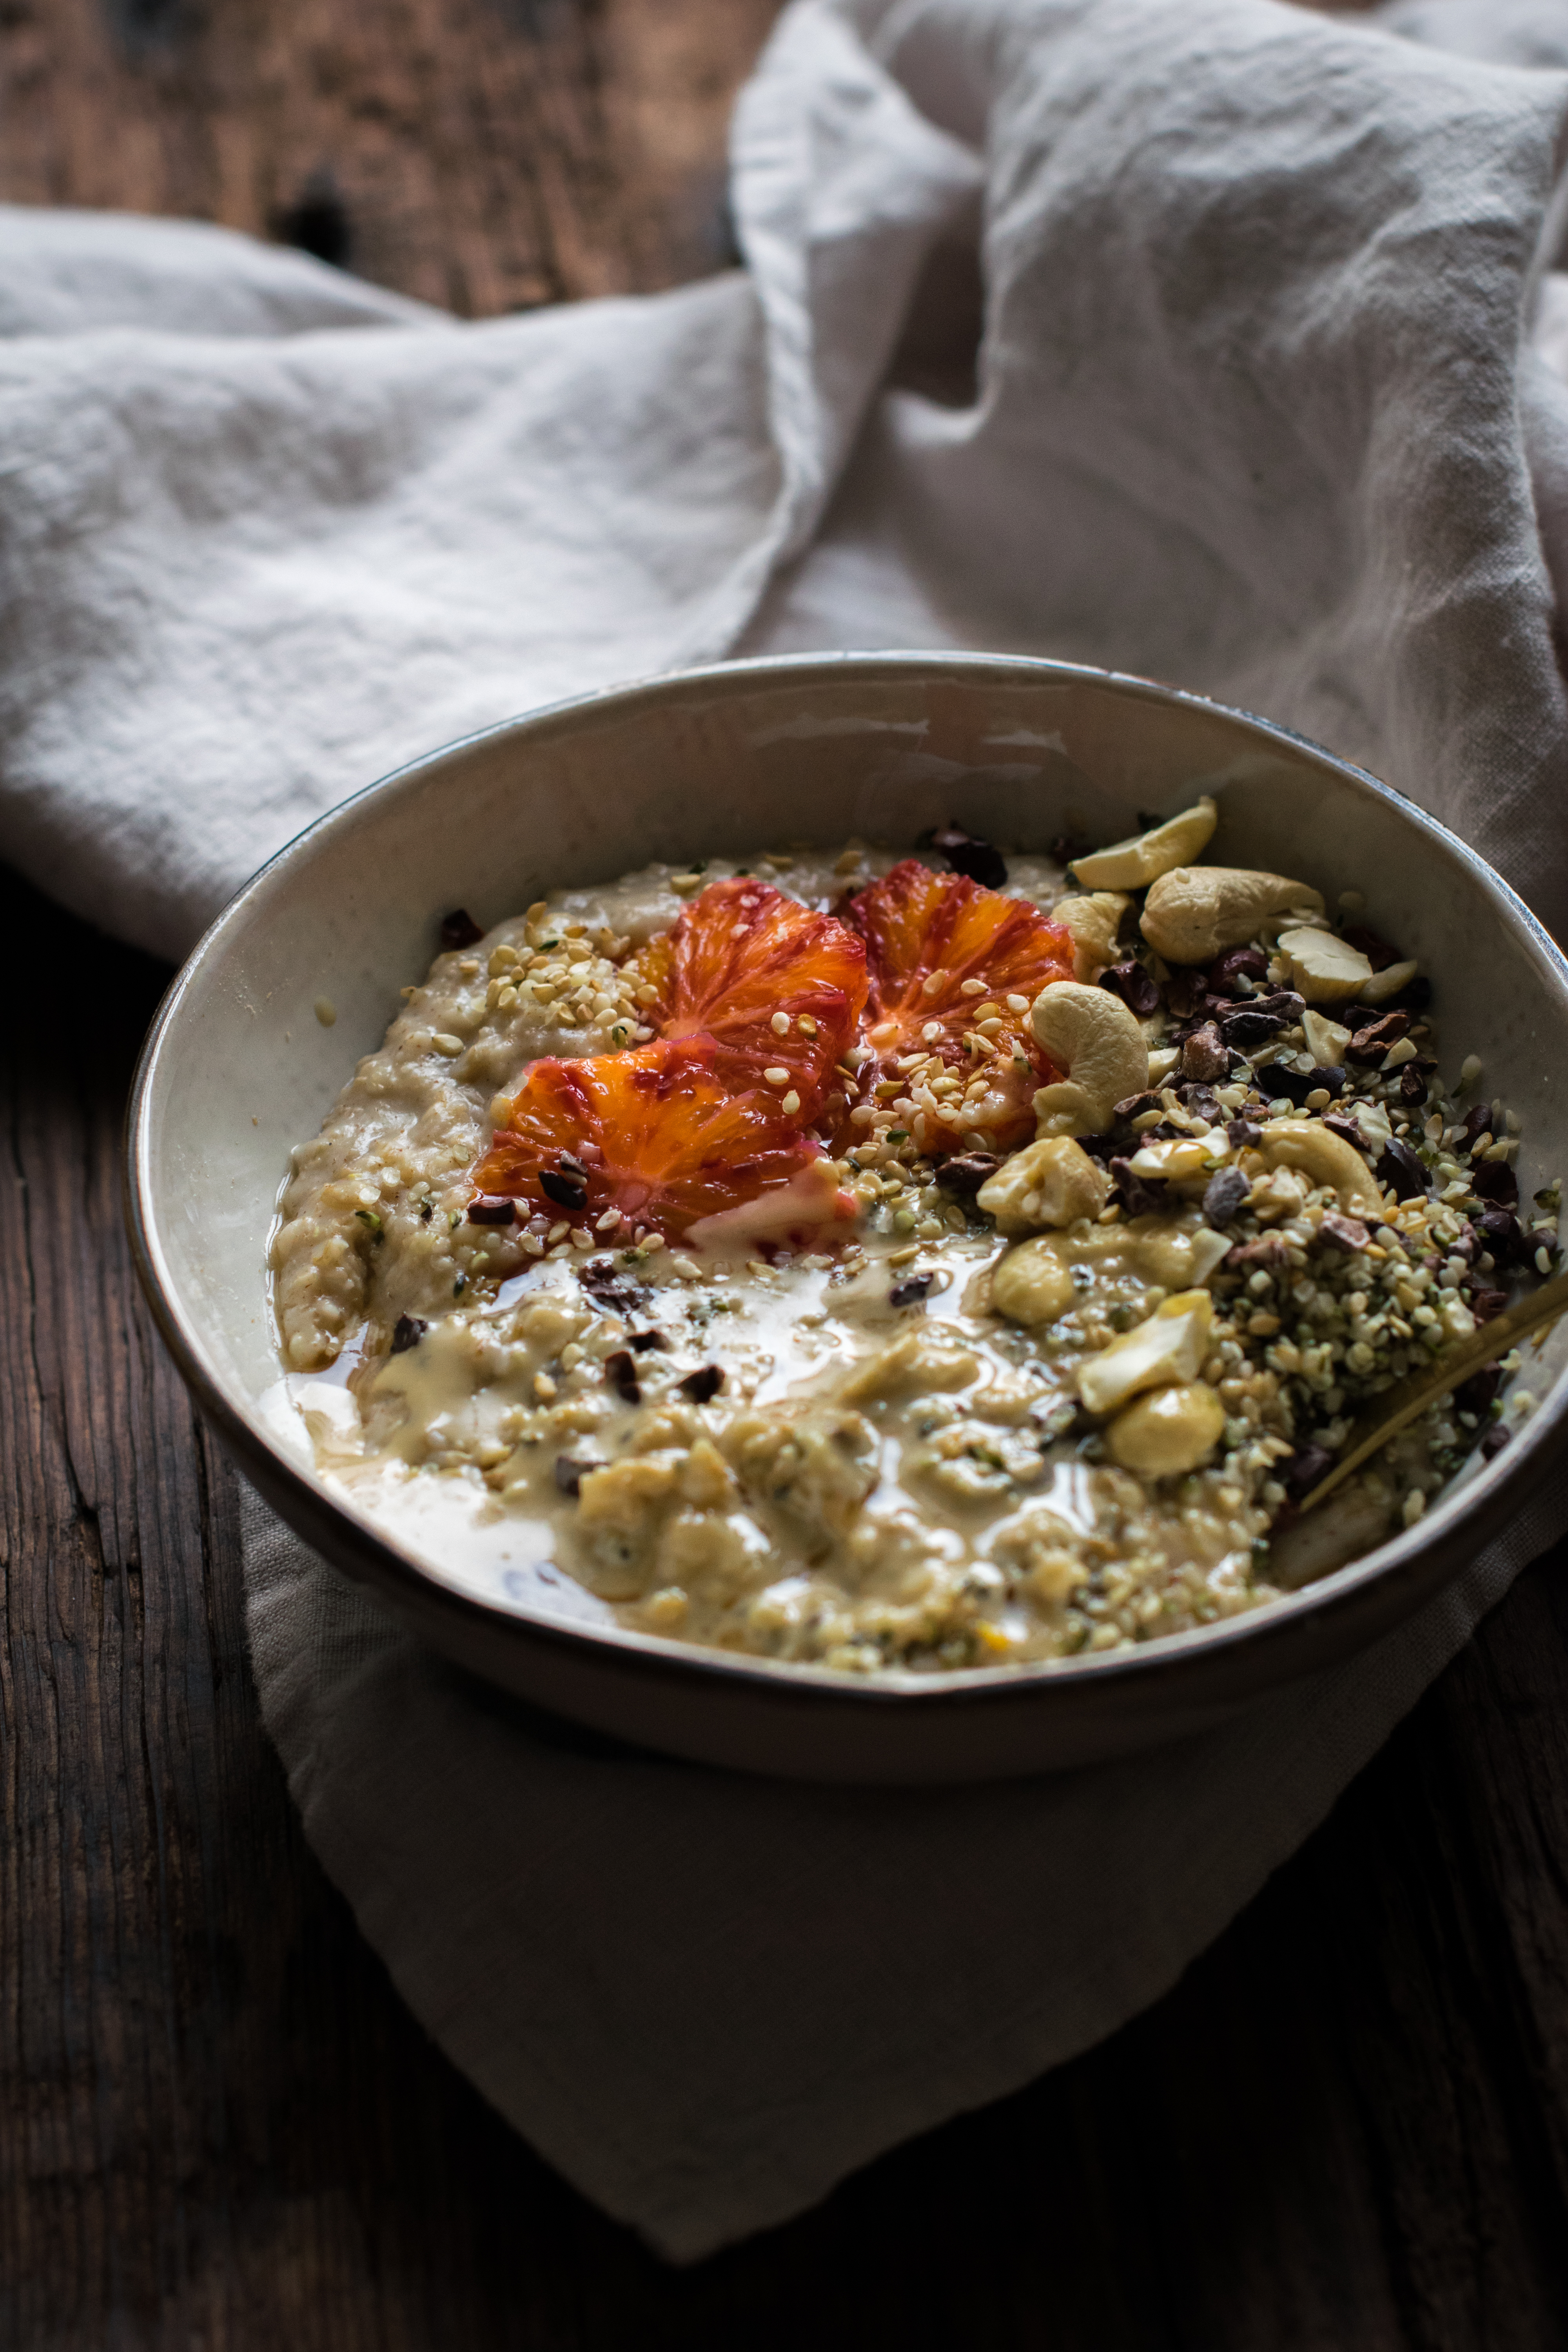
1249 412
1199 337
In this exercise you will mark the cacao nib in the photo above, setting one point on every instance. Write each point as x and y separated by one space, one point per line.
910 1292
408 1332
1400 1171
1138 1196
701 1385
1243 1133
1182 992
1222 1196
1494 1180
459 930
1275 1079
492 1209
609 1289
1500 1233
1371 1042
1134 986
641 1341
1205 1057
1475 1395
567 1192
571 1473
1377 951
1347 1130
1134 1108
1494 1441
1240 963
1202 1103
621 1371
1340 1233
1414 1080
1264 1017
1305 1467
1267 1252
1478 1122
961 1178
1101 1146
1486 1304
968 855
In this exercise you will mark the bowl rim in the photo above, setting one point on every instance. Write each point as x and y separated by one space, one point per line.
1515 1472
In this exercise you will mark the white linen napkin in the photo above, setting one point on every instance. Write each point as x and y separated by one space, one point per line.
1253 408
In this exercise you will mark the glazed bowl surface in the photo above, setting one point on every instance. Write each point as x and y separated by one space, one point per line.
237 1070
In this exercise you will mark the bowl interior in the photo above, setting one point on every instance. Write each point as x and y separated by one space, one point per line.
725 762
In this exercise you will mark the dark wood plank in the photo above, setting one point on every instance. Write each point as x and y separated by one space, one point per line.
1347 2128
483 155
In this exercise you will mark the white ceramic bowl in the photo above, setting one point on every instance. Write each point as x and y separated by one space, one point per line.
714 761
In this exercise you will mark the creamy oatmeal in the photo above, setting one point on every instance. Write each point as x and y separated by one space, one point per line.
936 1260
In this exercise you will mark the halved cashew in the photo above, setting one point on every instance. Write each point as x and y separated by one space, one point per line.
1033 1285
1326 1040
922 1359
1051 1183
1093 921
1195 912
1171 1346
1327 971
1129 865
1090 1034
1167 1431
1388 982
1323 1158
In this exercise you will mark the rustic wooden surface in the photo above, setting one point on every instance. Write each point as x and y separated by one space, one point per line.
1347 2129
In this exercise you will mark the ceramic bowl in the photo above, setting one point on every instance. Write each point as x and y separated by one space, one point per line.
714 761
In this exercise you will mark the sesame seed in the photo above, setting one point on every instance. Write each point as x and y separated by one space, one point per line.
805 1024
777 1078
791 1103
933 983
1017 1004
443 1043
971 987
780 1024
611 1218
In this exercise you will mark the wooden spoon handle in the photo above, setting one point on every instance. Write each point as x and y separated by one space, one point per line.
1411 1398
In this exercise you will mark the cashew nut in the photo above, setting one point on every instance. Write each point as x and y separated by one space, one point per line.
1323 1158
1169 1431
1090 1034
1171 1346
1195 912
1033 1285
1129 864
1326 1040
1051 1183
1327 971
1092 921
1388 982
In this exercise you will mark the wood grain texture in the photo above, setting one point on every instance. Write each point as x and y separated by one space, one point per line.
1346 2130
481 154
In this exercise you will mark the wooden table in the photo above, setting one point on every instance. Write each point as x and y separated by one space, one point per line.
1347 2129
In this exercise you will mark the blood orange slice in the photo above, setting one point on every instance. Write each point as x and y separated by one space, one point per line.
775 985
660 1134
954 969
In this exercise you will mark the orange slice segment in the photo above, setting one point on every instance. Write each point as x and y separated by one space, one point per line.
775 984
660 1134
954 969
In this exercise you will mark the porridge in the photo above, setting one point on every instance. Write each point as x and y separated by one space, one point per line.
930 1261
